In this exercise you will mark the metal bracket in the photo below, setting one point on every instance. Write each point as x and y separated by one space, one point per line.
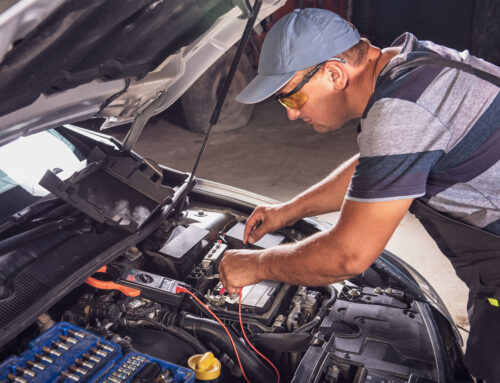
245 8
141 120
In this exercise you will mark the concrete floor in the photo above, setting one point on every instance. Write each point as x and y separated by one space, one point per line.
279 158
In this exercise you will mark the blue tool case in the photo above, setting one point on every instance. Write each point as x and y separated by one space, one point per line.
67 353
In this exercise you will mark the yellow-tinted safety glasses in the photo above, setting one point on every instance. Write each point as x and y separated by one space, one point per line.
295 99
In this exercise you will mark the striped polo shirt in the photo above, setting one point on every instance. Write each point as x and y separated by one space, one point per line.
433 133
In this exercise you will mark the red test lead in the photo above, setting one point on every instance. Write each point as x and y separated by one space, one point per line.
250 344
180 289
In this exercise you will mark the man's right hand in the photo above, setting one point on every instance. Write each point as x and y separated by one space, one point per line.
267 219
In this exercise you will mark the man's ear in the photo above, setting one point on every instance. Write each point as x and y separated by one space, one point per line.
337 73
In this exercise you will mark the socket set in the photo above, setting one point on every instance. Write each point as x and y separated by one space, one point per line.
67 354
140 368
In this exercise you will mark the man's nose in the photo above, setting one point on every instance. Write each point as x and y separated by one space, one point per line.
292 114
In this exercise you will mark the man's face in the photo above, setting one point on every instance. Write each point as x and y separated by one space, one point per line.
325 108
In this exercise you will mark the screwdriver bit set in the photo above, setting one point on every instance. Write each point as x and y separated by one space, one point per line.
68 354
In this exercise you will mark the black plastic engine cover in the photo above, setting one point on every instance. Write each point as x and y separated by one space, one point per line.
370 343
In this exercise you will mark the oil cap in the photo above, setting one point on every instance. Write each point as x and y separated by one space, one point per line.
206 366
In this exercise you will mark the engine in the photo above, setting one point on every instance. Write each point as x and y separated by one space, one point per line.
137 312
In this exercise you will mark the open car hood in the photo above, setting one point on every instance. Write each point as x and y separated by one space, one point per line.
67 61
124 60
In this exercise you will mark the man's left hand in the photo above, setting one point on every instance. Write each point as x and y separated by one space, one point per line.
239 268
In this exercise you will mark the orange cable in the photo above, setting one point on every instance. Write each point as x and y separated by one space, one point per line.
182 289
250 344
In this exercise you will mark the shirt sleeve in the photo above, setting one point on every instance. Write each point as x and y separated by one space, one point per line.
399 143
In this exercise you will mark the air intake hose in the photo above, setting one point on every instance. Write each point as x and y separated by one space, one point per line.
210 331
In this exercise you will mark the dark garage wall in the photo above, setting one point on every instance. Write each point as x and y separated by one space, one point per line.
460 24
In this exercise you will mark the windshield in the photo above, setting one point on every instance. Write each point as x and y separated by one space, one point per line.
24 161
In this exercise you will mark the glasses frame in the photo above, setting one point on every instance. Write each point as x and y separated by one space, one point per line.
305 80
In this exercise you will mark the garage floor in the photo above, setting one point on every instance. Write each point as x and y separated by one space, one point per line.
279 158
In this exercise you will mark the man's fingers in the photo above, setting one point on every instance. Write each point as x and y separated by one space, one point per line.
232 290
252 222
238 268
258 233
222 277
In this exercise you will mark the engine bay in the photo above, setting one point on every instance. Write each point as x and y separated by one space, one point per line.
368 328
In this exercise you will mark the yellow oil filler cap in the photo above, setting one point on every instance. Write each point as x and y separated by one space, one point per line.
206 366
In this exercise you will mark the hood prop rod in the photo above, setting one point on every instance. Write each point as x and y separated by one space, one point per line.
222 98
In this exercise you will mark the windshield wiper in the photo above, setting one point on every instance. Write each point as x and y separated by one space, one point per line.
15 241
28 213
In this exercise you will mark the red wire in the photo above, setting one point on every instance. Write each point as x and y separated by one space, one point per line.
250 344
182 289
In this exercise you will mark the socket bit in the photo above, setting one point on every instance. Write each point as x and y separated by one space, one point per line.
38 366
85 364
96 351
78 334
79 370
44 358
16 379
92 358
68 339
105 347
125 370
60 345
51 351
73 377
25 371
120 375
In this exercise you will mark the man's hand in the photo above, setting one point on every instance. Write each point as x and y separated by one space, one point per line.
239 268
267 219
346 249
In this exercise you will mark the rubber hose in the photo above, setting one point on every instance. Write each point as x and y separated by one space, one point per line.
212 331
330 302
178 333
284 342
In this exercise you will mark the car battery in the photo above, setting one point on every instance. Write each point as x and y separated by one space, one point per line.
255 299
235 237
67 353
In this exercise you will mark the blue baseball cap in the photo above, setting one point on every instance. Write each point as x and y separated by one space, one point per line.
299 40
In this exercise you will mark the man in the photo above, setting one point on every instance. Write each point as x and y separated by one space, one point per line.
429 138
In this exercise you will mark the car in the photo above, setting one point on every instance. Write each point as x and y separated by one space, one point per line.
108 260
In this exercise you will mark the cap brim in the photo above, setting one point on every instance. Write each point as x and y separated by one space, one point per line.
263 86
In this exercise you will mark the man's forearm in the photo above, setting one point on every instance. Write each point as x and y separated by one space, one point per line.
315 261
327 195
346 249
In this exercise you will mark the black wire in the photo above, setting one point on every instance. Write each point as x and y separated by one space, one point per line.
463 329
308 326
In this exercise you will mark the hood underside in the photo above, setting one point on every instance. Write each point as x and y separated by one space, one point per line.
66 61
107 40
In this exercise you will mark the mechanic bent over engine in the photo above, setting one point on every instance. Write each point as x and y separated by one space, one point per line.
428 142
